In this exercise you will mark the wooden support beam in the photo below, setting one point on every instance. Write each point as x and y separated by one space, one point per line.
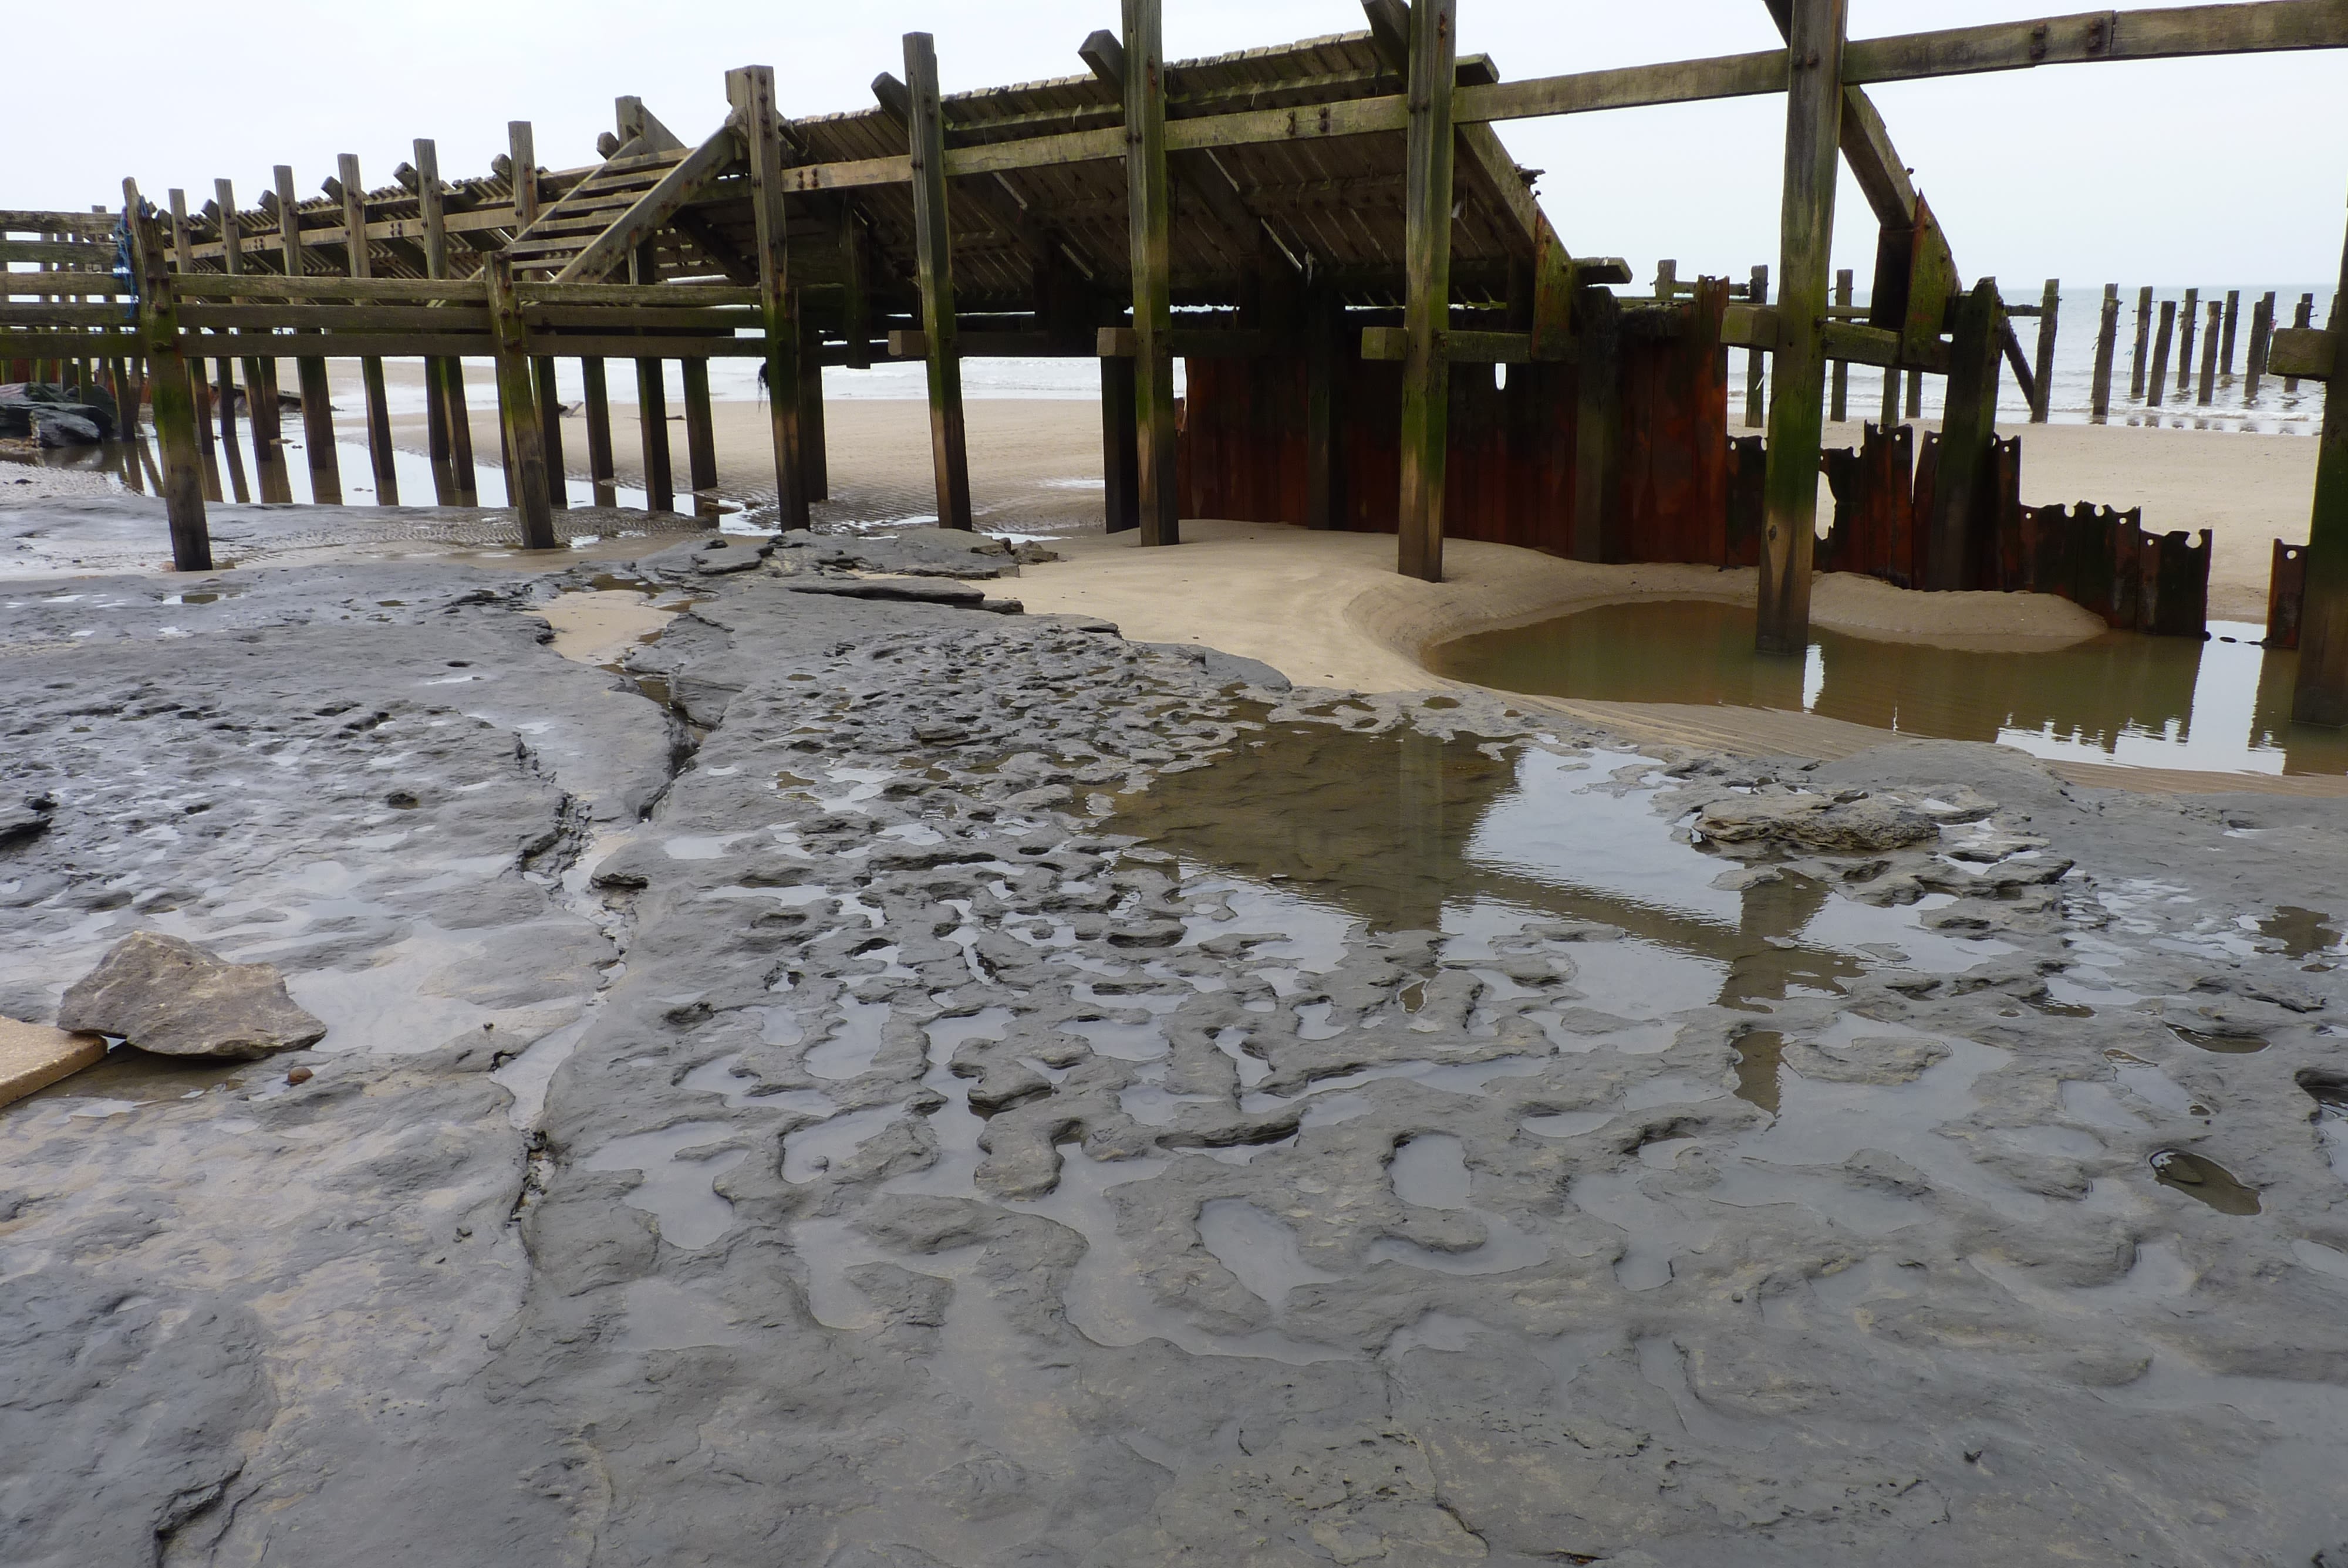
309 370
600 465
700 437
521 148
1838 409
260 374
549 429
2106 339
2254 364
652 406
2042 389
1325 491
815 460
1814 102
1598 417
2321 693
1757 291
1968 427
198 386
175 403
750 90
1121 445
2156 386
517 413
2138 362
1149 206
2233 317
856 303
1427 303
2299 318
378 406
448 426
934 270
2188 319
2208 392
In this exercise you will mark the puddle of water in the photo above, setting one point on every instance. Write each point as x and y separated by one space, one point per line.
2230 1044
2204 1179
676 1191
601 626
1403 831
854 1041
1259 1248
1760 1059
2154 701
2302 933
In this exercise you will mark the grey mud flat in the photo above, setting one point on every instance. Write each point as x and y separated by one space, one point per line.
882 1085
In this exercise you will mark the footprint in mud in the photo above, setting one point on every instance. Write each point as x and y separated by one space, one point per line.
2204 1179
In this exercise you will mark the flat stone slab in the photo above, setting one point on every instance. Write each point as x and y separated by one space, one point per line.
174 999
33 1056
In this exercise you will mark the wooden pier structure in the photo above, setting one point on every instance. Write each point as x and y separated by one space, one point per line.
1329 233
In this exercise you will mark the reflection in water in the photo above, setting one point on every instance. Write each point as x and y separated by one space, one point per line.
2206 1180
1406 832
2161 702
1760 1056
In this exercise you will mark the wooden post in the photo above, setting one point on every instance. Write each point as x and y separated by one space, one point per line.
2299 318
1597 416
522 150
2107 340
2137 363
2209 356
2188 319
2320 696
260 374
378 406
1426 301
1148 209
1840 410
1758 292
1667 279
2254 366
1968 427
1890 414
518 408
856 301
700 437
549 432
2050 306
933 272
444 378
1915 394
2157 383
651 402
2226 354
309 370
175 402
751 92
183 250
600 467
1324 323
1120 446
1814 101
815 461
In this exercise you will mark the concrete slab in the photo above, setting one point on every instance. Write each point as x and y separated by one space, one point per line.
33 1056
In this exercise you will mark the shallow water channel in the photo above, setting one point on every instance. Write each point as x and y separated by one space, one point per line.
2219 705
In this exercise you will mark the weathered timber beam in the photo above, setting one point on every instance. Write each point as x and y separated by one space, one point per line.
1190 343
2306 352
750 89
1149 244
655 207
1467 347
933 268
1429 145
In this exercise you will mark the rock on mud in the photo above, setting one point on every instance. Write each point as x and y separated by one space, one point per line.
174 999
1817 823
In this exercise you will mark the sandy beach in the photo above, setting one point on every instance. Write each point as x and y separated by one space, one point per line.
1036 469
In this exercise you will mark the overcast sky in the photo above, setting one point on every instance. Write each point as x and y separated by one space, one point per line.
2174 172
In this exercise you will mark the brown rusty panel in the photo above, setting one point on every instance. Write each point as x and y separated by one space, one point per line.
2176 585
1874 529
1673 458
1748 468
2001 565
2286 592
1918 552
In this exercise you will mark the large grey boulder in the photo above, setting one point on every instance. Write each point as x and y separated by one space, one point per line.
172 998
1820 825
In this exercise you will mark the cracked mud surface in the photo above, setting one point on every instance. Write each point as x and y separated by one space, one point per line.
878 1085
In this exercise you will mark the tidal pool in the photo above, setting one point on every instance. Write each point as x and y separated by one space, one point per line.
2122 697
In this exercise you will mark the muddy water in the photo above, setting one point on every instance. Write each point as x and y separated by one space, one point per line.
1404 832
2153 701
